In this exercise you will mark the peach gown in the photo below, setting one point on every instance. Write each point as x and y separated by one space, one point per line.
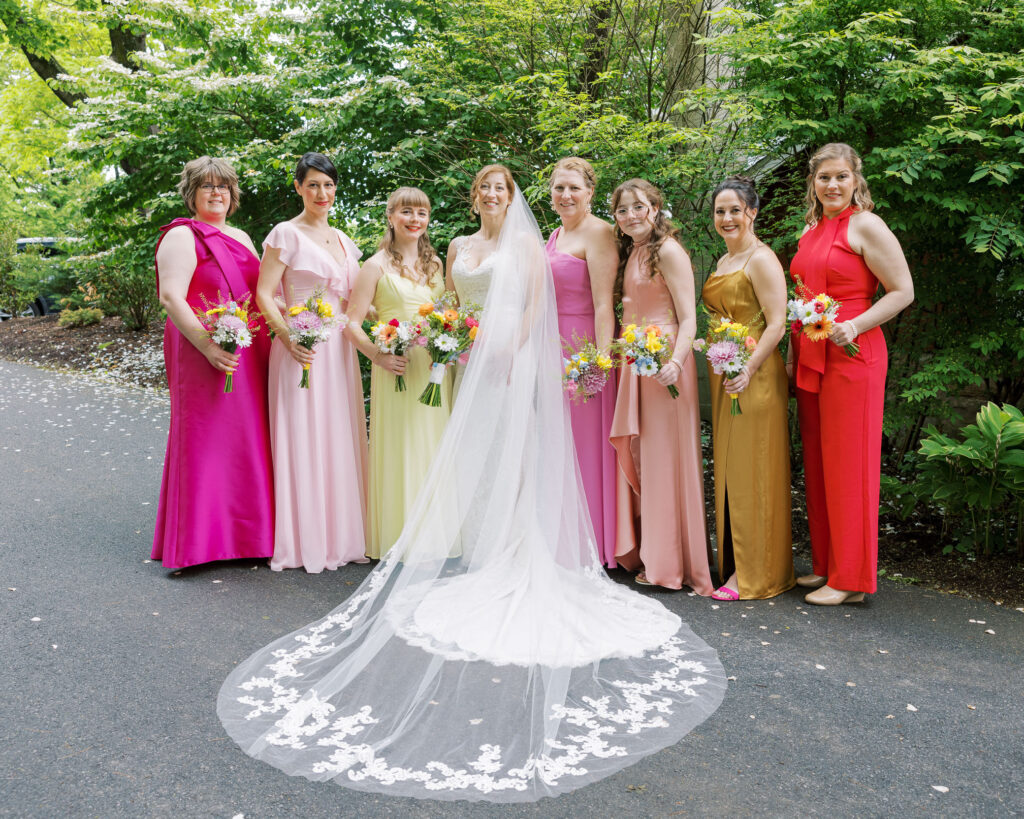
660 490
317 435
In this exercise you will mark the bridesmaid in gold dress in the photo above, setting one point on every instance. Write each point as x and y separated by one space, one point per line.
751 451
403 275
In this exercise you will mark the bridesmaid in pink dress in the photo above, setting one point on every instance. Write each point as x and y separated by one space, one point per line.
583 260
318 434
216 497
661 531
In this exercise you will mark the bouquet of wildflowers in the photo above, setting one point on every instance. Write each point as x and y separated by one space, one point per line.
230 326
394 337
310 322
814 315
585 370
646 350
447 332
727 347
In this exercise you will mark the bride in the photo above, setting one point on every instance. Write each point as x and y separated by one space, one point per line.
488 656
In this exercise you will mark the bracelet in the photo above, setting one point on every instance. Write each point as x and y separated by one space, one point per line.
856 332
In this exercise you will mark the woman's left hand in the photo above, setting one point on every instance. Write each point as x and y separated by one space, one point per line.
738 383
843 333
668 374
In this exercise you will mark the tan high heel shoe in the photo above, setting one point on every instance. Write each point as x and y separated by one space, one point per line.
811 581
827 596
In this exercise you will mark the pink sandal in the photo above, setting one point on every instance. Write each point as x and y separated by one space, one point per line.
725 593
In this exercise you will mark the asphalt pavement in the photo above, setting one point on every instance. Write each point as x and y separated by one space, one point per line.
911 704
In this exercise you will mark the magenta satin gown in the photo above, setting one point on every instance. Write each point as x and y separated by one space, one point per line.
592 421
318 435
216 497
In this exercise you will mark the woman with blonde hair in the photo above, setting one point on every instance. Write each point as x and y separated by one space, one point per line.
846 251
661 531
404 274
216 498
584 261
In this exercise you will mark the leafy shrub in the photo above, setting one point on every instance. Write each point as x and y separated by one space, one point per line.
124 281
978 480
79 316
17 291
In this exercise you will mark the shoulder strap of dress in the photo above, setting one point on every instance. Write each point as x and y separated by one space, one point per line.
212 239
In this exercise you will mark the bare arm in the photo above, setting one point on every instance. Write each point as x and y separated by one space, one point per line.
769 283
271 271
674 266
603 266
869 236
449 262
176 262
359 301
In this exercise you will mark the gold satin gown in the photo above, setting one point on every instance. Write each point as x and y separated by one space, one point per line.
751 455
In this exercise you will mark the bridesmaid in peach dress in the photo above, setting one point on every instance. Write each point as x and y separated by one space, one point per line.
318 435
661 530
583 260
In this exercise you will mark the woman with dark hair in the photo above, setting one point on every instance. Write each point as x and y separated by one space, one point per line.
846 251
661 531
216 498
583 265
751 451
397 280
318 434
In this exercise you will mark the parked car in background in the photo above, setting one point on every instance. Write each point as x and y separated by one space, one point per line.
46 298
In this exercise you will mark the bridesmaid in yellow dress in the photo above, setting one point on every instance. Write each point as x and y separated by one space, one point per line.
403 275
751 451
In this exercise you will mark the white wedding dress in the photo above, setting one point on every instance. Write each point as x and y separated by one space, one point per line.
488 656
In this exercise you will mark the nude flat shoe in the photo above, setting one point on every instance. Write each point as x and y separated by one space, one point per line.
811 581
827 596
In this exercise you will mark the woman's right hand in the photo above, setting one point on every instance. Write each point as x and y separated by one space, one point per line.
392 363
220 359
301 354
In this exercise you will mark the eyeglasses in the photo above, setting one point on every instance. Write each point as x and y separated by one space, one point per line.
218 188
638 209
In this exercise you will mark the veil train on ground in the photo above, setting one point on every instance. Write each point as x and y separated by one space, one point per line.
488 656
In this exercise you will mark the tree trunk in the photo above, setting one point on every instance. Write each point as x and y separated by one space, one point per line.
595 47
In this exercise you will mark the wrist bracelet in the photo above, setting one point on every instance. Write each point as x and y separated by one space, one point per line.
856 332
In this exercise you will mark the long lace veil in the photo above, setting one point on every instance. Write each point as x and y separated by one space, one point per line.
488 656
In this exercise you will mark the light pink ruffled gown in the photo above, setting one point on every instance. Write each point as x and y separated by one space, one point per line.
661 525
317 435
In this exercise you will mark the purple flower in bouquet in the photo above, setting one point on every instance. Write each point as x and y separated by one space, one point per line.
306 322
593 380
721 355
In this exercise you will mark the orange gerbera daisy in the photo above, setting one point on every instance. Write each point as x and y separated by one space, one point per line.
819 331
426 309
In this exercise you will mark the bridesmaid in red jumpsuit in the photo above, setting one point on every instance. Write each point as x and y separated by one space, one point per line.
845 251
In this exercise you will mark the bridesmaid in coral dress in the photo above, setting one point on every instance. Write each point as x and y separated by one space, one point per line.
751 450
583 260
400 278
318 434
216 498
845 251
661 529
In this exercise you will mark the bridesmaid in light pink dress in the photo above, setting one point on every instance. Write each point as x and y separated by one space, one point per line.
583 263
661 529
318 435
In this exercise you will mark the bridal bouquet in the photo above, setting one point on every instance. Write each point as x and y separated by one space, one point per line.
646 350
230 326
814 315
447 332
310 322
727 347
394 337
585 370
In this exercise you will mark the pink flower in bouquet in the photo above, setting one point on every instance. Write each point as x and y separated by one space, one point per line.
593 380
699 345
472 322
306 321
751 343
720 355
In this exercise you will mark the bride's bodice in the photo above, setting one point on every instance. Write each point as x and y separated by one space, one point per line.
471 285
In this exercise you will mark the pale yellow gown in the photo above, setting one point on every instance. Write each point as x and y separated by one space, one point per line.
403 432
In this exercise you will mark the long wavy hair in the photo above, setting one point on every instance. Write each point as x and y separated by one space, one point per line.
861 194
427 261
661 230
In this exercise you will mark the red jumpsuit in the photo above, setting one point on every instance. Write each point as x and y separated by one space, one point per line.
839 402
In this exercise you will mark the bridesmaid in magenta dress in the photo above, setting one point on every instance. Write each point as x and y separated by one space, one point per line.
661 530
318 435
216 497
583 263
